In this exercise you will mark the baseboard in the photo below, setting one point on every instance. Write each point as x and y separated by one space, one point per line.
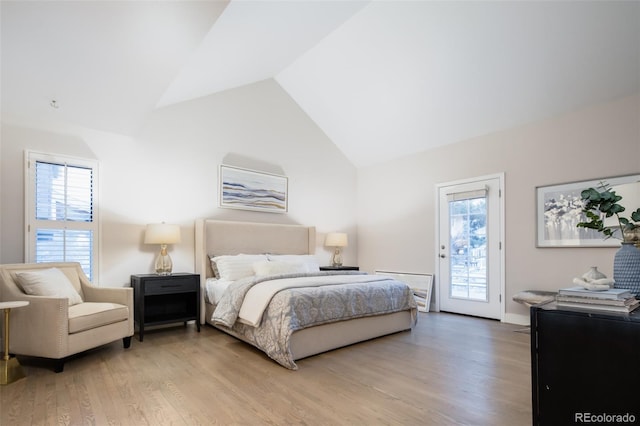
518 319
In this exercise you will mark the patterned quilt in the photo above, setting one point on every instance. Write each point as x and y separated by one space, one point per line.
296 308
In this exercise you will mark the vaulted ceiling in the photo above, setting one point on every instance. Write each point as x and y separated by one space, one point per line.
382 79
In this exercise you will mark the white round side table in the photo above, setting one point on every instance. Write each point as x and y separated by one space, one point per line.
10 369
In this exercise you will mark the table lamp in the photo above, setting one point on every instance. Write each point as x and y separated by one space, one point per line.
337 240
163 234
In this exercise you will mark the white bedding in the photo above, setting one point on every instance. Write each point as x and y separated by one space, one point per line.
258 297
294 334
215 288
302 305
232 268
235 267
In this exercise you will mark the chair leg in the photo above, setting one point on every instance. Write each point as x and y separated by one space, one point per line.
126 342
58 366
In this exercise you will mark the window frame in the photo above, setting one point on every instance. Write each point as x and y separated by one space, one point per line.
32 223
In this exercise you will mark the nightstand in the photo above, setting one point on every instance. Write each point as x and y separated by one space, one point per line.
339 268
164 299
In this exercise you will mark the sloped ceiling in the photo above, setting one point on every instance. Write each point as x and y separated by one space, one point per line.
382 79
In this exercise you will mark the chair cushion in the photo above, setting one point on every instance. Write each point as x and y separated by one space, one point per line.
48 282
88 315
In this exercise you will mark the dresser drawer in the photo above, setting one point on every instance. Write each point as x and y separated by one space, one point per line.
173 285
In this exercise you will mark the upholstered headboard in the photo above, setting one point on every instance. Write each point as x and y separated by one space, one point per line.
218 237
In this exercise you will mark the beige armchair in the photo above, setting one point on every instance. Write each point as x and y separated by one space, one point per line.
52 326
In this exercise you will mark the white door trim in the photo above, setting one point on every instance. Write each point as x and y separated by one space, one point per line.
500 177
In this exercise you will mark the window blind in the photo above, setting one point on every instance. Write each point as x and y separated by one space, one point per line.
62 218
64 192
467 195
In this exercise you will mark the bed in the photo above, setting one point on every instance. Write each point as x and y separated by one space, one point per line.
297 322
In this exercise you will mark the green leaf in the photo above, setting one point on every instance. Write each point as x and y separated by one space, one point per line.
602 202
616 208
606 206
589 225
592 215
608 196
590 194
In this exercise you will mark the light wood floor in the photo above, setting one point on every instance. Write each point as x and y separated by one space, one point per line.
450 370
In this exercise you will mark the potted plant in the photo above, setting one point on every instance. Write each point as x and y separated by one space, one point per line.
601 203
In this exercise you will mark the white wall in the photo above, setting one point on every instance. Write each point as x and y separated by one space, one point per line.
169 172
396 200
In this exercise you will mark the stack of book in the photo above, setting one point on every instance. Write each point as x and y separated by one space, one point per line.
612 300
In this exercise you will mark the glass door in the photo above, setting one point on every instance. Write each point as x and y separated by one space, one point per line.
469 262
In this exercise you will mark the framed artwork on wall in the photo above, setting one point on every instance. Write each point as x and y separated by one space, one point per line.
559 210
421 285
252 190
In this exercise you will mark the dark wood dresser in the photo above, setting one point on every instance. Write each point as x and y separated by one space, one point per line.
585 366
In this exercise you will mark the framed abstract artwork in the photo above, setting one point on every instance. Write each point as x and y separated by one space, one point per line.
252 190
421 285
559 210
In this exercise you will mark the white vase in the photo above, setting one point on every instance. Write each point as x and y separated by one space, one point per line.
593 274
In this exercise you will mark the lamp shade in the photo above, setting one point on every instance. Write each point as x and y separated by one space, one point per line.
162 233
336 239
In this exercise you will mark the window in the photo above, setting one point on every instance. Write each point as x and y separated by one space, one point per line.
61 211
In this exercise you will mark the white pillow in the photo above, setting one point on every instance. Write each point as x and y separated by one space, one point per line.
278 268
48 282
308 260
214 267
237 267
